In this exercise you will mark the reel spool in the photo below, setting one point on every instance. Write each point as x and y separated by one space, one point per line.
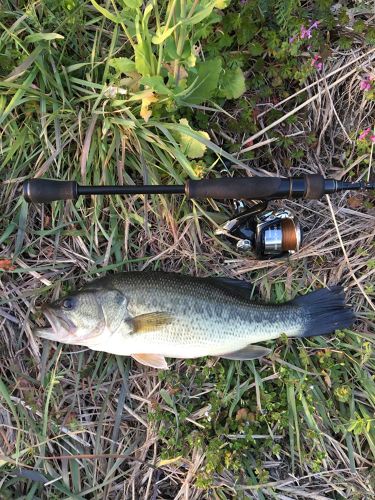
267 233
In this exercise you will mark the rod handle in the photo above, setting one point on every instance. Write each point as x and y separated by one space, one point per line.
257 188
48 190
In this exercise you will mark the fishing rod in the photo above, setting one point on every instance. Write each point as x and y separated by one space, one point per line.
267 233
311 187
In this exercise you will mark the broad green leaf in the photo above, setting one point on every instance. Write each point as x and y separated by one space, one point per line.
163 34
122 65
204 29
37 37
141 64
145 60
232 84
191 146
156 83
133 4
146 17
200 14
170 50
203 84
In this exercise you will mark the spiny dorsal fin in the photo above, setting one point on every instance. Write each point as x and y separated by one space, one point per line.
249 352
153 360
238 288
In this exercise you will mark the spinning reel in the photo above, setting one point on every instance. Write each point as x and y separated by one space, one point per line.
267 233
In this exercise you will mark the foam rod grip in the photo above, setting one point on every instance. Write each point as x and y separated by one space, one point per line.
251 188
47 190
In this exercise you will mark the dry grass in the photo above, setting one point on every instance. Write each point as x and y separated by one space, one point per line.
77 424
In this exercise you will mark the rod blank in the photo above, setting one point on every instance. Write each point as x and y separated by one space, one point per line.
47 190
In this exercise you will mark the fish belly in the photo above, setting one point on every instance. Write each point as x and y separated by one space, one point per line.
195 338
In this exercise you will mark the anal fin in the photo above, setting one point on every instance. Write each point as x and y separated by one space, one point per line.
249 352
153 360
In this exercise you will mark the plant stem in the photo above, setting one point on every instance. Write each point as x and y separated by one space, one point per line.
181 43
123 26
161 48
193 7
182 36
157 15
170 14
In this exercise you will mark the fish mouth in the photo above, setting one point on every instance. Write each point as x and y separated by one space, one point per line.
62 329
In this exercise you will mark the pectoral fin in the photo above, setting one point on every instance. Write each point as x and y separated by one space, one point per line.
249 352
153 360
149 322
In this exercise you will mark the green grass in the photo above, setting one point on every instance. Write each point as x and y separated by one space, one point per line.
79 424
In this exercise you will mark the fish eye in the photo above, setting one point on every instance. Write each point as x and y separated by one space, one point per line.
68 303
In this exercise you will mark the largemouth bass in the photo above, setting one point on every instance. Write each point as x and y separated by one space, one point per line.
153 315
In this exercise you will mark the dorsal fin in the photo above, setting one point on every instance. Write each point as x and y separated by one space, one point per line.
238 288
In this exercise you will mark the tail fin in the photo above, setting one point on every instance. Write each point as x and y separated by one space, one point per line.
325 311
